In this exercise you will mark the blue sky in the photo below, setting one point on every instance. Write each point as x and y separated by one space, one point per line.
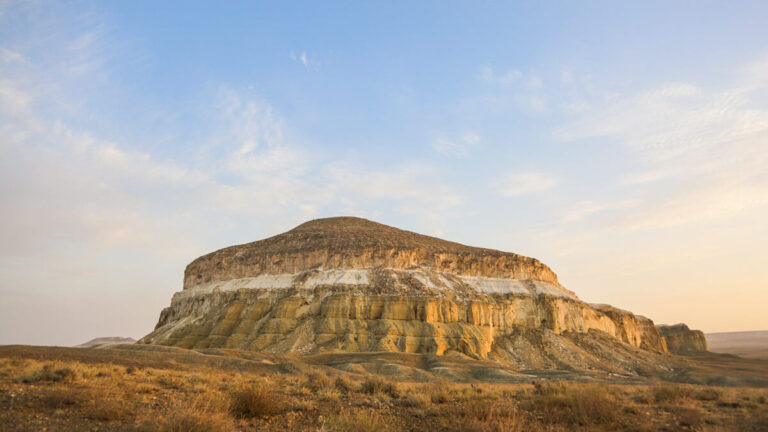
626 146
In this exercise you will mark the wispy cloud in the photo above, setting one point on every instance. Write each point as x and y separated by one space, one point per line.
459 146
586 209
700 204
510 76
518 184
707 147
9 56
526 90
303 59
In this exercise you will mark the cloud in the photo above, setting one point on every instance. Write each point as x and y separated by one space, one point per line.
505 78
408 183
699 204
302 58
700 153
13 101
9 56
586 209
518 184
456 147
107 212
526 91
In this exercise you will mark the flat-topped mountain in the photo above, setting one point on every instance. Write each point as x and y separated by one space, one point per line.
342 285
350 242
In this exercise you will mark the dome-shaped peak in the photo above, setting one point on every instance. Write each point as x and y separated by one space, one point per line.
348 232
341 223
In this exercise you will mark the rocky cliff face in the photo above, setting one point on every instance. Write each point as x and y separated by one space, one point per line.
351 285
682 340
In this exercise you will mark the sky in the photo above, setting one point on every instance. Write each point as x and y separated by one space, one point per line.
624 145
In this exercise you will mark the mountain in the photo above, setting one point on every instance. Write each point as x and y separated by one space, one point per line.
682 340
350 285
107 341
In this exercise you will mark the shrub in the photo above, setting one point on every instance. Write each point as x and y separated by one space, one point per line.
317 381
58 399
304 405
343 385
51 373
301 391
416 400
255 401
376 385
170 381
329 395
144 388
440 396
547 389
642 398
708 394
670 393
686 416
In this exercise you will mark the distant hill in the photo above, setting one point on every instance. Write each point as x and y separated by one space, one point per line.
748 344
107 341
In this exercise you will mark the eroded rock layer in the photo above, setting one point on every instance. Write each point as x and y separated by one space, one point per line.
682 340
351 285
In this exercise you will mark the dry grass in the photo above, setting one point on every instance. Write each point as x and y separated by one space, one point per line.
191 419
671 393
440 394
70 395
708 394
483 417
317 381
107 405
357 420
575 404
343 385
255 401
377 386
62 398
416 400
50 372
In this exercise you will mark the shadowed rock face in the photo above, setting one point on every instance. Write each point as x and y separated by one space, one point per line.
352 285
682 340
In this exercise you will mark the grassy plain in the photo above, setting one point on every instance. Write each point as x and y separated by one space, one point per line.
158 389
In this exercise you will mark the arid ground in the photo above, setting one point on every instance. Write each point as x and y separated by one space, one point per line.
749 344
132 388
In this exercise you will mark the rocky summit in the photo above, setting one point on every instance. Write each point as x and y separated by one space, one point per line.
350 285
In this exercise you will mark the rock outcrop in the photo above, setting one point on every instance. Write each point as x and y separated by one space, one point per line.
352 285
682 340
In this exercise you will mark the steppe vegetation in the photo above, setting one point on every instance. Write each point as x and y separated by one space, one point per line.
66 394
